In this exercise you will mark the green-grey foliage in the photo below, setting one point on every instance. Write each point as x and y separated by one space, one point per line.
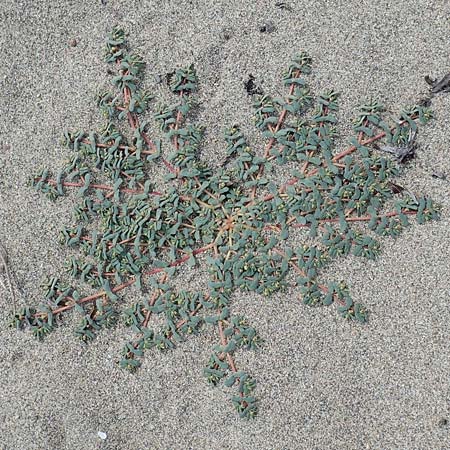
128 231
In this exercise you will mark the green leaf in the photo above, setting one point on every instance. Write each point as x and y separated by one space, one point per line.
107 288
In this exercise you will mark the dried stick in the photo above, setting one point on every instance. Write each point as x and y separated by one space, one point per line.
4 269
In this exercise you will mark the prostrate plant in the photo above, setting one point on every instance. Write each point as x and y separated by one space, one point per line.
131 233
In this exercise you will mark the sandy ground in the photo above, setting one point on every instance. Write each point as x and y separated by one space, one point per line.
323 384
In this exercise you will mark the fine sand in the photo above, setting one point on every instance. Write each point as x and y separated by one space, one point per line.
322 383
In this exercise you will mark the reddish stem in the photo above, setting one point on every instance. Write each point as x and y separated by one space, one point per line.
177 123
224 342
103 187
155 296
179 261
183 321
358 219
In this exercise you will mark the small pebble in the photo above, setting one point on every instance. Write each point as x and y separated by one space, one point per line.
102 435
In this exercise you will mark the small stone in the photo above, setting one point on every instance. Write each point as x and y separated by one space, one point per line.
102 435
443 422
226 34
439 174
267 27
73 42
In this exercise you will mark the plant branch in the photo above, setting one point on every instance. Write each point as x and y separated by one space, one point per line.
336 158
272 140
103 187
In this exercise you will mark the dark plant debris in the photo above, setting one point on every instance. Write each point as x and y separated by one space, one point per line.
283 5
5 271
405 151
251 87
395 188
439 174
442 85
169 76
425 101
